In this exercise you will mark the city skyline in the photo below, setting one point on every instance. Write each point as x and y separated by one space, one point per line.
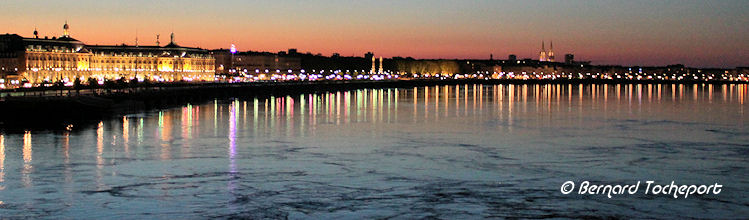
698 34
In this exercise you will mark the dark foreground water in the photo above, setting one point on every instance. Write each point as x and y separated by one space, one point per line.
450 152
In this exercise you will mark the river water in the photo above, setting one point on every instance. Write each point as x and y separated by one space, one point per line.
451 152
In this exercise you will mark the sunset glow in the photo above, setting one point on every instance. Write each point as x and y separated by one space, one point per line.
605 32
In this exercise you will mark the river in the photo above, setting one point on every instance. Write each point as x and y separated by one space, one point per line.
450 152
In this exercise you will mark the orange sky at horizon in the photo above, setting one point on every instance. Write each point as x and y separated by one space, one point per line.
626 33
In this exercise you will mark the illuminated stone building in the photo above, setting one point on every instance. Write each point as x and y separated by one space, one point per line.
38 60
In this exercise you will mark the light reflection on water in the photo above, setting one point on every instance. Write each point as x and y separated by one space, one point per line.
468 150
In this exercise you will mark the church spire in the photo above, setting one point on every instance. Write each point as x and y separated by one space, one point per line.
542 55
550 54
380 69
543 48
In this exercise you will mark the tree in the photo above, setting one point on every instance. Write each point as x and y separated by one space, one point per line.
92 82
77 85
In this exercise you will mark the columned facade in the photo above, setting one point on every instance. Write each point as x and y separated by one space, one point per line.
65 59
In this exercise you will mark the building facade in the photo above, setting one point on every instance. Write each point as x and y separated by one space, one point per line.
229 63
48 60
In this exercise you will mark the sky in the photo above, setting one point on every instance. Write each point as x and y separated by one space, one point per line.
710 33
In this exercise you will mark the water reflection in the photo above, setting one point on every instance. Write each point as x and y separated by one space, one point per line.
99 154
27 158
300 115
233 111
2 161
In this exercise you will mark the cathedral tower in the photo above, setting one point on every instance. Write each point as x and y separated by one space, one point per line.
380 69
550 54
542 55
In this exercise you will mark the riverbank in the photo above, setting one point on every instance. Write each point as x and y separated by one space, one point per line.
57 109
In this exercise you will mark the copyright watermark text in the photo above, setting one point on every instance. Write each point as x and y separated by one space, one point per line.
649 188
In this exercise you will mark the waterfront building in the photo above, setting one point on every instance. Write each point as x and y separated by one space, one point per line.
64 59
569 58
255 63
355 64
